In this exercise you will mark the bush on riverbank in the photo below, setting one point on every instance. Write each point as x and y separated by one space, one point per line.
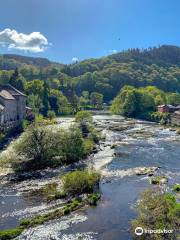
40 147
157 210
79 182
43 145
85 121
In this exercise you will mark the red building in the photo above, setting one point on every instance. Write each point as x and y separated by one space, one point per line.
167 108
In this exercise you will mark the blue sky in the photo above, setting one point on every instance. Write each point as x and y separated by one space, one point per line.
86 28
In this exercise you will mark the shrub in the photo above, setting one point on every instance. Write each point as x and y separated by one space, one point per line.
51 115
176 188
36 148
89 145
85 120
157 210
84 116
40 146
93 199
66 210
79 182
162 118
73 148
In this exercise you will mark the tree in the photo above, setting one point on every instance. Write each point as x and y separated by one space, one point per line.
16 80
45 100
126 102
35 102
96 100
85 120
51 114
35 87
130 105
59 103
173 98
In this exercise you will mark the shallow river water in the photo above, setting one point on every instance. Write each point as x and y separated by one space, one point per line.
135 144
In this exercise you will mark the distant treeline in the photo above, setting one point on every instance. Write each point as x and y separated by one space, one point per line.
67 88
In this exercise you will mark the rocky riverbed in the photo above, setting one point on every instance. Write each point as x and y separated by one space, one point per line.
132 153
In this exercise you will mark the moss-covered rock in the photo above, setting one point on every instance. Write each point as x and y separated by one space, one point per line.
158 180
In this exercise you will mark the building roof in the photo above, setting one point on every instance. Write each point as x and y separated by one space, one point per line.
7 95
9 92
167 105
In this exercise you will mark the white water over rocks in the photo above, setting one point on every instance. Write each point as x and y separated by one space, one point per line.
132 151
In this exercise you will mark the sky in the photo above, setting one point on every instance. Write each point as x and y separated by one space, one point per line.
70 30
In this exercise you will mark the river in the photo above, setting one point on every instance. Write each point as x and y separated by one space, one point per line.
129 146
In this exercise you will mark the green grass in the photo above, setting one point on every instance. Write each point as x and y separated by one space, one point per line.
11 233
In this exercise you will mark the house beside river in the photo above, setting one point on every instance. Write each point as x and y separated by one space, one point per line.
12 107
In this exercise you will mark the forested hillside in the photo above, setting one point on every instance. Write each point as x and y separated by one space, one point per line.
92 81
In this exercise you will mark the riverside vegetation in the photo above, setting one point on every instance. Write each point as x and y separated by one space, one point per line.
43 145
157 210
74 185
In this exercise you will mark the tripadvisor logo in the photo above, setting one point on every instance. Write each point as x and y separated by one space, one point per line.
139 231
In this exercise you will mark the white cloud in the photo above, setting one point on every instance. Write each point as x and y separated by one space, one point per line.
33 42
111 51
75 59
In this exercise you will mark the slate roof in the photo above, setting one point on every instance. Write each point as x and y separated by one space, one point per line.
8 92
7 95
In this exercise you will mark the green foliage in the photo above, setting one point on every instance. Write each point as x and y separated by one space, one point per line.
93 199
41 146
163 118
157 210
89 145
84 116
17 81
2 137
176 188
51 114
45 99
85 120
79 182
85 85
96 100
133 102
10 234
59 103
173 99
73 145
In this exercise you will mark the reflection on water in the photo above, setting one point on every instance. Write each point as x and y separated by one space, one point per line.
129 147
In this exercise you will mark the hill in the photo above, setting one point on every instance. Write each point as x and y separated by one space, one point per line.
157 66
